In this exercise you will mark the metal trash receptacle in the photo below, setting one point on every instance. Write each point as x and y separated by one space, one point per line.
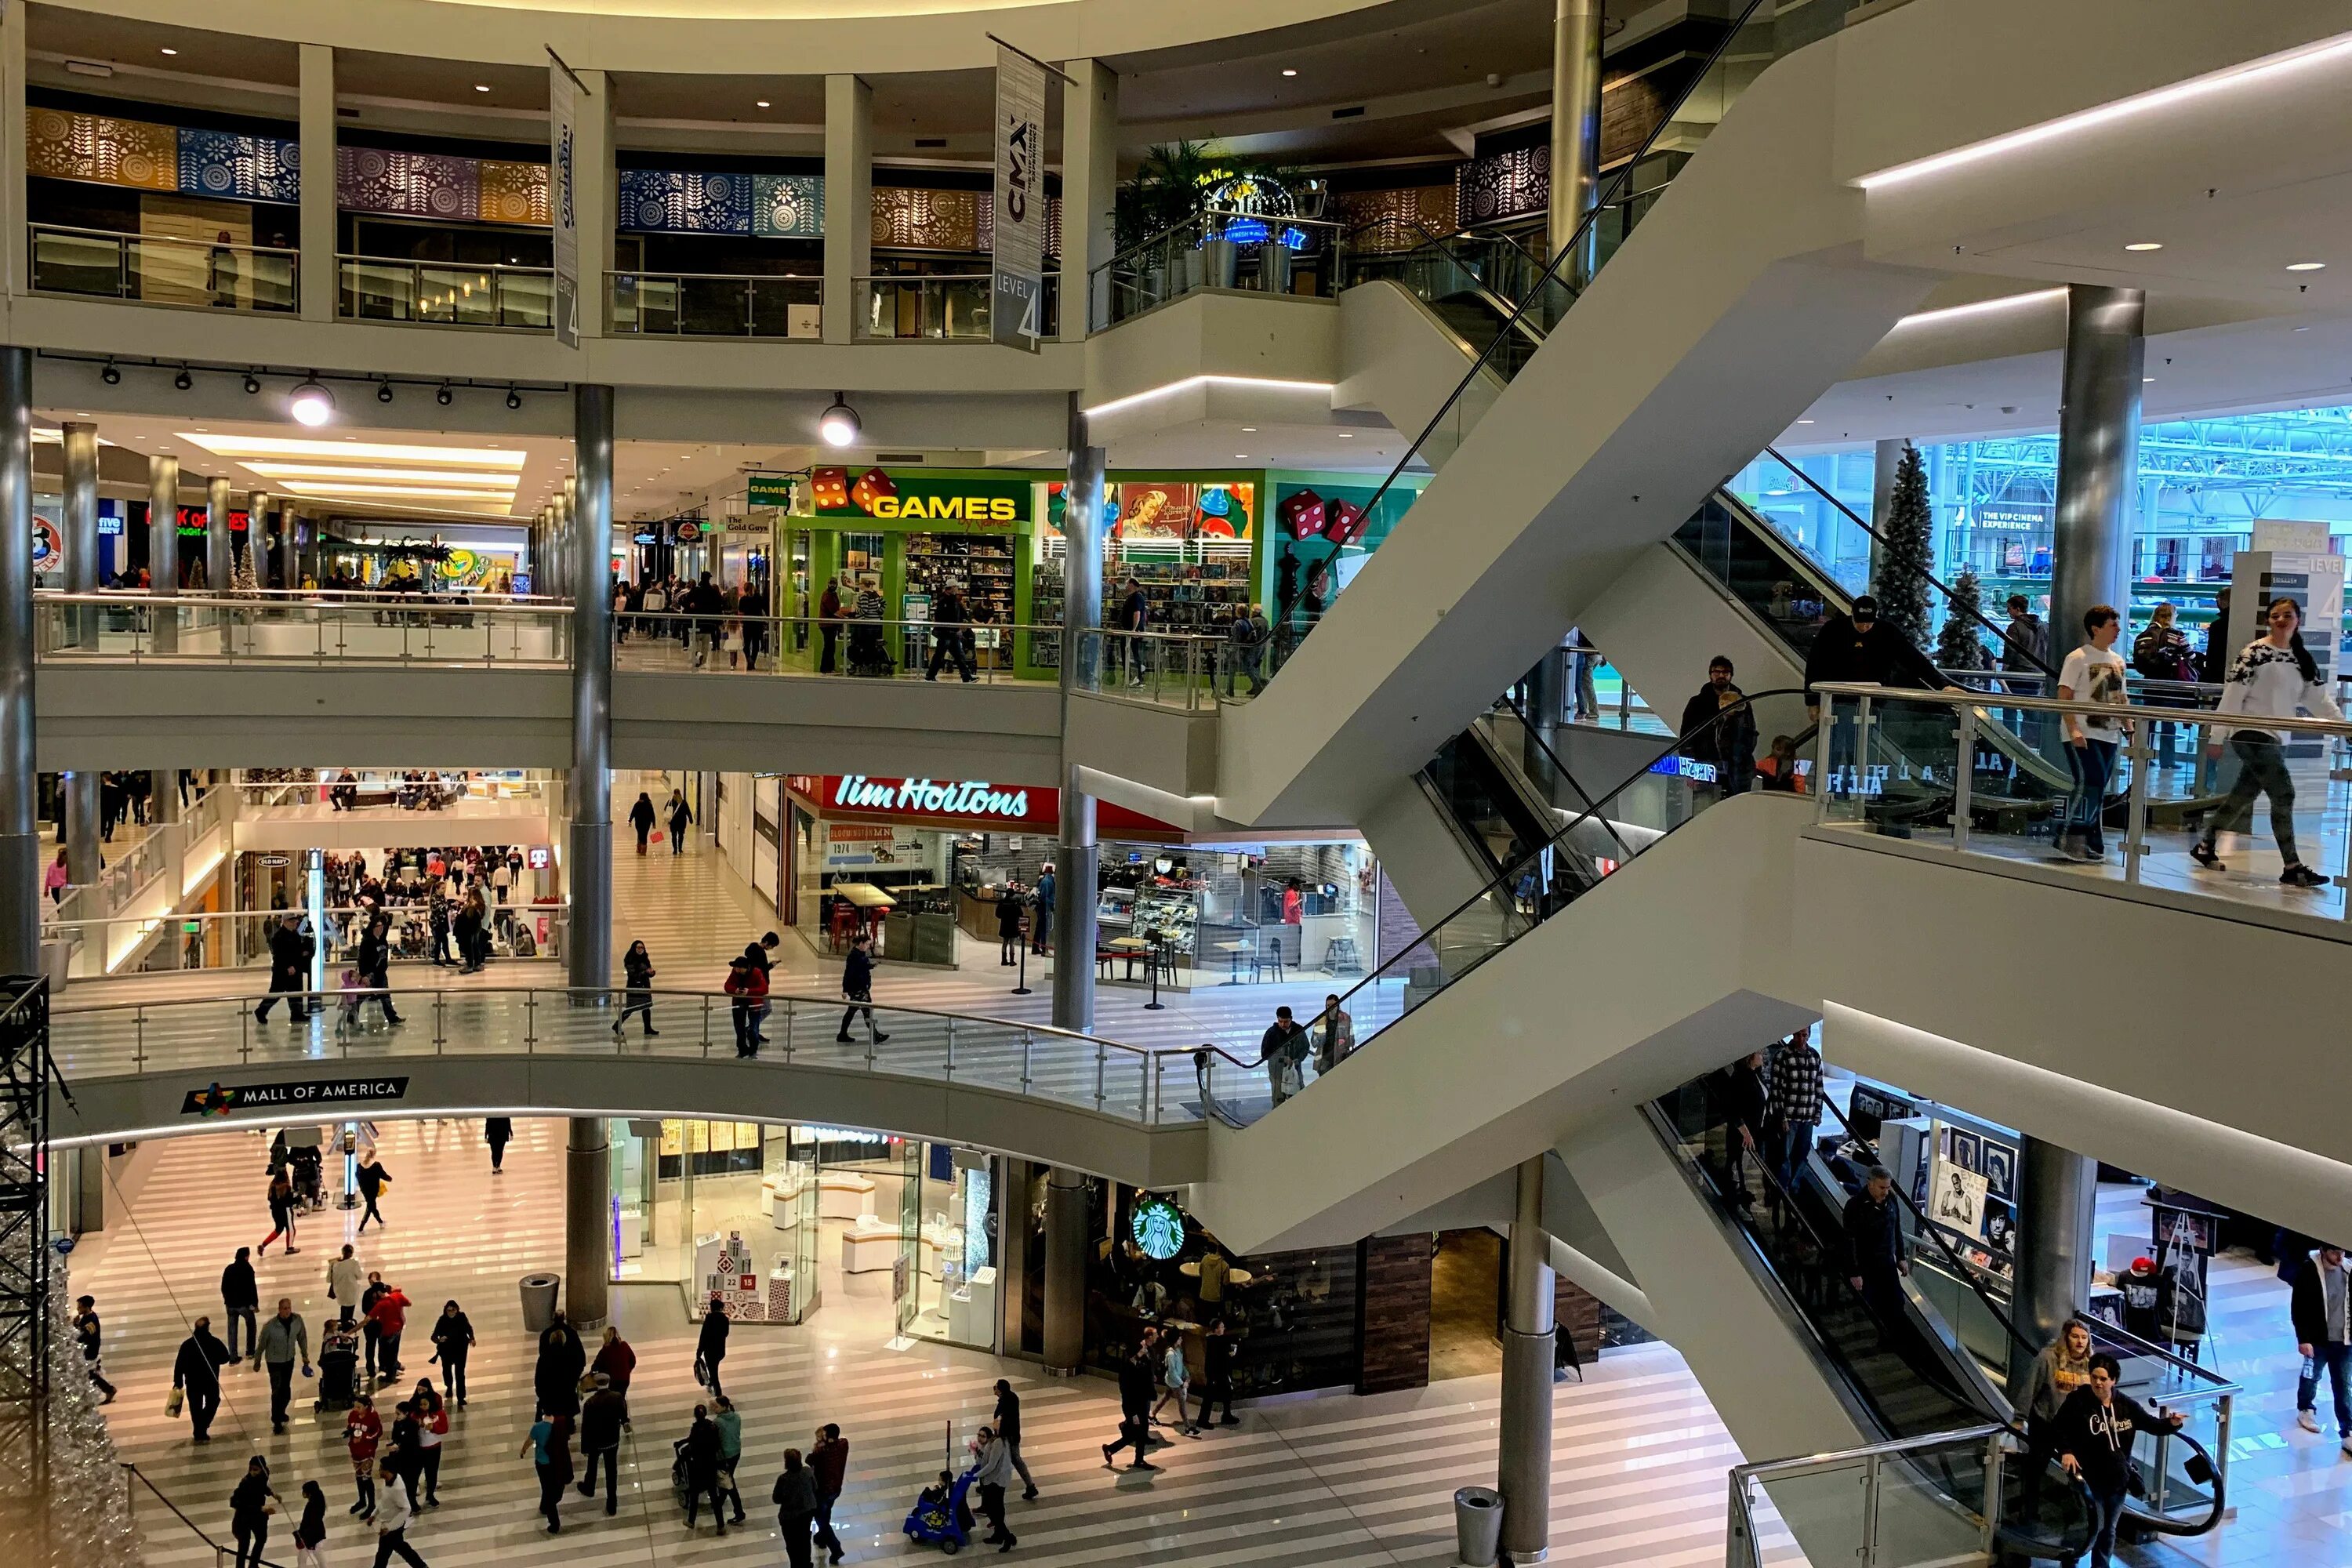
1477 1526
539 1301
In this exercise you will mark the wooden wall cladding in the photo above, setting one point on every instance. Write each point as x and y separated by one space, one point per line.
1393 1314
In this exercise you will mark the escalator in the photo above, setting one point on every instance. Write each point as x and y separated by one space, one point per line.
1908 1367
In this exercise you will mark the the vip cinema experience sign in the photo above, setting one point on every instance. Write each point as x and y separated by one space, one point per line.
221 1099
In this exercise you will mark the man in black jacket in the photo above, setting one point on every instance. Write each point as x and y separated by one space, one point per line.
1730 742
289 962
711 1347
2321 1307
1746 1109
1217 1374
1007 1422
1863 649
1874 1249
241 1299
1134 1394
947 635
2094 1432
197 1372
375 967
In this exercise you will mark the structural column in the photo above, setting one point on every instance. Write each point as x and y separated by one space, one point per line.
318 283
587 1222
218 569
2098 458
589 865
1090 191
256 537
1523 1462
1075 857
80 454
1066 1271
20 784
1546 696
1575 120
848 204
163 550
2057 1196
289 547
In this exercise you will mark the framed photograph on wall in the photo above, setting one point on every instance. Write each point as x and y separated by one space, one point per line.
1966 1152
2001 1170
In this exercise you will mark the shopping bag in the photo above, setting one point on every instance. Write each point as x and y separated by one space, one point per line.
173 1400
655 836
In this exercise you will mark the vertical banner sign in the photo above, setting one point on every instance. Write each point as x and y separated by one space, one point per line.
563 213
1017 255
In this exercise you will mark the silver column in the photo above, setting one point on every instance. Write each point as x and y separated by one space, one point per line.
1575 123
164 549
590 864
290 548
20 785
587 1222
1523 1462
82 825
1065 1270
217 570
1547 697
1075 857
2098 458
79 451
2057 1193
256 537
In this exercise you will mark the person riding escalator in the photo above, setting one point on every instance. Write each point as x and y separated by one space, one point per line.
1861 649
1728 744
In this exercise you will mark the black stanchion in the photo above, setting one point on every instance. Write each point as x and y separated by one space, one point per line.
1021 987
1158 941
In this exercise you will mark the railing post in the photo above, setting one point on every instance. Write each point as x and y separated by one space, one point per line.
530 1019
440 1020
1868 1551
1862 755
139 1032
2134 804
950 1072
1996 1463
706 1024
1159 1077
788 1031
2222 1411
1964 775
1098 1075
1028 1040
1738 1551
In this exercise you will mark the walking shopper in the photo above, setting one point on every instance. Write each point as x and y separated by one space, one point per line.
747 982
392 1524
195 1375
373 1179
680 819
453 1341
390 1316
249 1507
702 1469
241 1299
312 1533
1282 1049
432 1417
281 1213
2093 672
362 1433
2063 1366
370 1332
284 1338
731 1449
949 632
618 1361
89 1334
2096 1430
550 1459
2321 1308
829 1459
1042 932
991 1471
1176 1384
794 1496
497 1131
376 968
640 817
1136 1388
290 969
1793 1071
344 1284
637 966
1007 1417
1217 1371
600 1441
828 623
563 1360
2273 677
711 1347
1008 923
857 988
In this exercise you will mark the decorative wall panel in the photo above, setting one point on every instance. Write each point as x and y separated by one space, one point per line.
788 206
1382 221
250 168
65 146
408 184
906 219
663 201
1502 184
513 193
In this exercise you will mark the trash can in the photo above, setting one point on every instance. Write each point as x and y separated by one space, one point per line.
1478 1525
538 1306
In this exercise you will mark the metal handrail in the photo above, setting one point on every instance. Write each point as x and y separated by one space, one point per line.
2114 712
221 1553
643 273
121 236
413 262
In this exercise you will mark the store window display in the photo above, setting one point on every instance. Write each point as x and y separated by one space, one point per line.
1245 914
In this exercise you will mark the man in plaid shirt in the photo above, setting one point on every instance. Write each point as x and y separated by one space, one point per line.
1793 1077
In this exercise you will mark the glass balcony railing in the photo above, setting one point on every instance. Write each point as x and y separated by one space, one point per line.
445 294
101 948
1229 251
711 305
154 269
940 307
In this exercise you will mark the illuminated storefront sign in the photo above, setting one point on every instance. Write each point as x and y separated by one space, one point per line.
951 802
1158 1228
966 797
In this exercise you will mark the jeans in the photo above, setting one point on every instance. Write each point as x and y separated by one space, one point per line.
991 1504
251 1537
1215 1391
2261 770
387 1356
2110 1504
1020 1466
947 645
2092 763
551 1494
245 1315
2334 1359
611 1460
824 1536
747 1028
1794 1152
394 1543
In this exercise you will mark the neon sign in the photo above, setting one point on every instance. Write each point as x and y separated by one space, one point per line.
967 797
1158 1226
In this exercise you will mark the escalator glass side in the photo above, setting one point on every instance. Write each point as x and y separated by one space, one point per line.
1775 583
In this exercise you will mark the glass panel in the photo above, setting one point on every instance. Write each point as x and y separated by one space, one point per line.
76 264
713 307
1824 1508
905 1289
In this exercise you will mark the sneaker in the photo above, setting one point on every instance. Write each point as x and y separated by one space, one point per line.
1142 1464
652 1033
879 1038
2308 1420
2202 853
2300 876
844 1039
1029 1496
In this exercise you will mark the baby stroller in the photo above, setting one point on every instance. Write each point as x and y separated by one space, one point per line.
339 1357
942 1521
868 655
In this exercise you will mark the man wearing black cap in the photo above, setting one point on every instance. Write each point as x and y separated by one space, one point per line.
1861 649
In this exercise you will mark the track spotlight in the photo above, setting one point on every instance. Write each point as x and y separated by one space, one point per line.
181 382
445 396
384 392
252 383
514 398
312 403
838 424
111 376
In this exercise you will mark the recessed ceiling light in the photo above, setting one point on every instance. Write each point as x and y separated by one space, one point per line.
2146 379
481 87
1288 71
2305 266
1347 435
1804 422
764 103
1240 457
2298 329
2145 245
171 51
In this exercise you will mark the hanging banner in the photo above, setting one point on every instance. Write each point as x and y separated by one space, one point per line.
1017 248
562 126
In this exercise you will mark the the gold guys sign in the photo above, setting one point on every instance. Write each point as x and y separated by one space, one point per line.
1018 251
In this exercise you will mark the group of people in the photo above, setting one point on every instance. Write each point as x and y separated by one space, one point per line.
706 616
1155 1373
1288 1046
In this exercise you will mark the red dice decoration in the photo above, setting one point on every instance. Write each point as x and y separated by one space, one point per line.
1302 513
872 486
1344 523
830 487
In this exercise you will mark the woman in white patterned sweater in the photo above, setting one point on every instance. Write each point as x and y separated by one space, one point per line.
2275 677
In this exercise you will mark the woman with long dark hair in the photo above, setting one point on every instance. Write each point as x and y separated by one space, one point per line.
2274 676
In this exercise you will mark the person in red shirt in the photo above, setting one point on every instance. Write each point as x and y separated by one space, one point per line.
362 1430
618 1363
390 1316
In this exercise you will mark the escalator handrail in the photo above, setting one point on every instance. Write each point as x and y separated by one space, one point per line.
1560 768
2001 634
2165 1523
1603 200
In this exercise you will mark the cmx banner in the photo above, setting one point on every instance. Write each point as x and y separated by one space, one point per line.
1017 252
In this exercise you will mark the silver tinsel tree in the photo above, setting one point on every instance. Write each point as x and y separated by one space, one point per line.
66 1506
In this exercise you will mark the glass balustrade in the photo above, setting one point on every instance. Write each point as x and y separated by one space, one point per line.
156 269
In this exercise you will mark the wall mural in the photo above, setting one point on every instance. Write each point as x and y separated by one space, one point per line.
1384 221
1502 184
408 185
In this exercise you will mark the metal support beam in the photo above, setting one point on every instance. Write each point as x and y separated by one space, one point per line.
1066 1271
1523 1460
78 450
217 505
2057 1198
1075 857
163 550
2098 458
1575 123
587 1222
20 829
589 865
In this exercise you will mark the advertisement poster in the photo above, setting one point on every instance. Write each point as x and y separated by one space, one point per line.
1956 1197
878 846
1017 251
562 128
1167 511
